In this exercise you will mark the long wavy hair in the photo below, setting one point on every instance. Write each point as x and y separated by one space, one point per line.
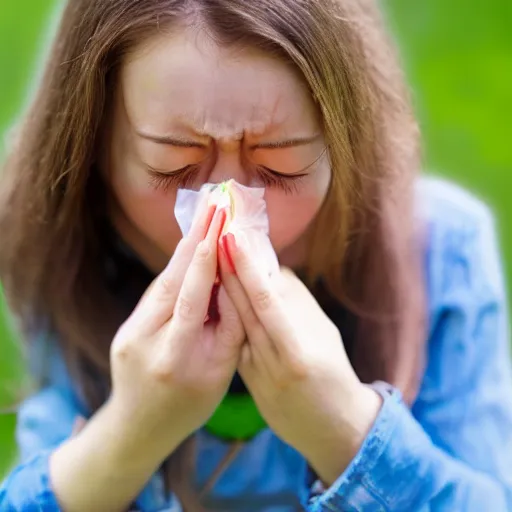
365 245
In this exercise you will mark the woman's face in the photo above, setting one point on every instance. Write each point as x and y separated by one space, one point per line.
188 112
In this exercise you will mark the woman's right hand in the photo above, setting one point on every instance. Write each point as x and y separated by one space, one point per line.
169 368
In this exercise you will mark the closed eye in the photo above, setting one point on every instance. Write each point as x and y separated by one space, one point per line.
183 177
282 175
288 183
161 180
165 180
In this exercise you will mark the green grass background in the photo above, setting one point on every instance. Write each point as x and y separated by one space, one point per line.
458 56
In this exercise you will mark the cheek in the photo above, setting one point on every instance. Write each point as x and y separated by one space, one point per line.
149 211
291 214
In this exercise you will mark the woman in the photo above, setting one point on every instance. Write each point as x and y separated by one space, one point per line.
142 97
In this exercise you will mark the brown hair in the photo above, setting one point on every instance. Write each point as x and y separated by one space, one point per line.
365 242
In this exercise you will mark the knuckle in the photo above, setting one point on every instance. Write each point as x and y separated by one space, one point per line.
294 373
167 285
163 373
167 373
203 252
184 308
263 300
121 348
298 371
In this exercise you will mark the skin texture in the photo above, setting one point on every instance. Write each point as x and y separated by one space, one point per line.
226 103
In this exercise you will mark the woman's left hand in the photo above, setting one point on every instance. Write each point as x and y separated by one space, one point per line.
295 366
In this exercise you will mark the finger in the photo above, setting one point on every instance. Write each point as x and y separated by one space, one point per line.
262 347
264 299
230 333
157 304
202 220
175 270
194 297
236 291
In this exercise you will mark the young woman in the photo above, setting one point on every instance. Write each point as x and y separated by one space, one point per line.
382 373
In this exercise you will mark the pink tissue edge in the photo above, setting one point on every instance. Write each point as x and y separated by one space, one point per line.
250 224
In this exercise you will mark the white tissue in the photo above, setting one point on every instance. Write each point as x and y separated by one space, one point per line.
246 218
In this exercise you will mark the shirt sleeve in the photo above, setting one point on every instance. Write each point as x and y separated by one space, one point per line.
453 451
44 421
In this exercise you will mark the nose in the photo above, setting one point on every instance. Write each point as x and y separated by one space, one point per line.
229 165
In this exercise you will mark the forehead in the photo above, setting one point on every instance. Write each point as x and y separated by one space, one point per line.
184 80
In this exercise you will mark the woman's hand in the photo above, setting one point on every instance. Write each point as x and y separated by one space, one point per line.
295 365
170 368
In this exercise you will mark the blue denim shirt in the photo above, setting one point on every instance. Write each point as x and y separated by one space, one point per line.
451 452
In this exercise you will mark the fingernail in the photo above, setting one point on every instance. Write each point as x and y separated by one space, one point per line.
223 217
209 218
231 242
227 256
231 247
217 223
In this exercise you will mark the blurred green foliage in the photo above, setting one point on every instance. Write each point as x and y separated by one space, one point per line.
458 56
22 28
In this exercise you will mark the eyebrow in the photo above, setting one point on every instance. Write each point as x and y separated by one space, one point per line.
180 142
290 143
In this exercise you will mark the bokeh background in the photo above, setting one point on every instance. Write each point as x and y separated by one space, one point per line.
458 57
